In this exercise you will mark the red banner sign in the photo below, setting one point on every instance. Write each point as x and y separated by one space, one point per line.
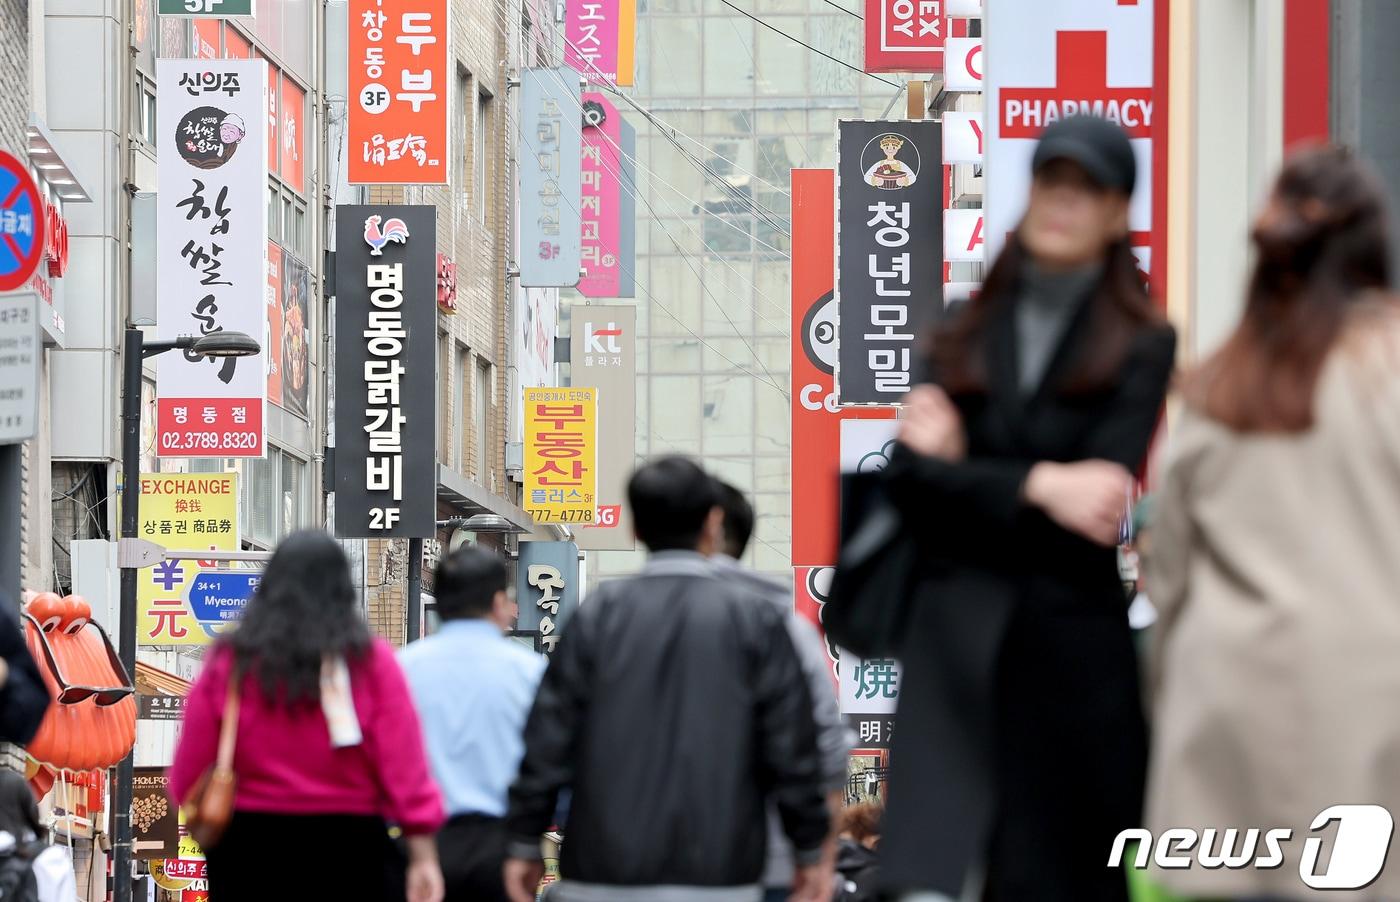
904 35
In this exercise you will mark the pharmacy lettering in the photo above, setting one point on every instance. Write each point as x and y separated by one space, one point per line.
211 240
386 367
890 254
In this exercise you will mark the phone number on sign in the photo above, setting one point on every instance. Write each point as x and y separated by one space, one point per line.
549 516
209 441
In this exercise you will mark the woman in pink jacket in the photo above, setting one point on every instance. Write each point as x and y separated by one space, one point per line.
328 753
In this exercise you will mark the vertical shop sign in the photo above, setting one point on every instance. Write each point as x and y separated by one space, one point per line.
599 40
274 322
964 236
1058 58
398 129
561 454
962 137
816 417
546 587
601 198
550 153
963 68
386 371
291 137
183 510
888 276
295 337
904 35
211 242
603 353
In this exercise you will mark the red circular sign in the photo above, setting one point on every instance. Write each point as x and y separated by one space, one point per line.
21 223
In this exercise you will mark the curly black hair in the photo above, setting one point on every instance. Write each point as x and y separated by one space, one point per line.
305 609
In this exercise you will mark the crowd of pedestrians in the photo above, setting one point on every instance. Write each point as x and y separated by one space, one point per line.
684 735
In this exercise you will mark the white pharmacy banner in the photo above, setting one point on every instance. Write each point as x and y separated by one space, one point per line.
211 246
1056 58
962 137
962 64
964 236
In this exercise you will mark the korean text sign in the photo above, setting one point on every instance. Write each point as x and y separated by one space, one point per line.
1059 58
550 154
602 198
889 266
561 454
603 353
546 586
904 35
211 245
184 510
386 371
599 39
398 131
816 417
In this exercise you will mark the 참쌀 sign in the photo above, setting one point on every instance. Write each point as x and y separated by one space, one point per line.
211 246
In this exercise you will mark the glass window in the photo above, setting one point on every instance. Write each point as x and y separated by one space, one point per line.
674 57
839 35
728 410
260 492
773 473
483 395
728 299
675 298
480 163
681 355
464 404
728 56
274 213
783 62
773 297
293 494
675 414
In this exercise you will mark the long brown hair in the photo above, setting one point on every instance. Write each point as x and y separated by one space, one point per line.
1119 308
1321 247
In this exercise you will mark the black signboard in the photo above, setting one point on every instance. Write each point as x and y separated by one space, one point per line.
155 821
889 264
160 707
385 371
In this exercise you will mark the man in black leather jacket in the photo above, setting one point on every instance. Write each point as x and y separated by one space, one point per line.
673 707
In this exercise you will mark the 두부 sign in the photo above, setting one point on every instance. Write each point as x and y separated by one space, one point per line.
398 109
386 371
211 246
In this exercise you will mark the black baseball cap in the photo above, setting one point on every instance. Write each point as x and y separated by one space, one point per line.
1095 143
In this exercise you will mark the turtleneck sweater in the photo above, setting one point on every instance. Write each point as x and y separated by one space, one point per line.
1046 304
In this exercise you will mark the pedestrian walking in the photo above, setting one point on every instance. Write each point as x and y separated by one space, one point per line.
31 870
833 739
1021 745
328 750
473 687
24 700
673 708
857 858
1272 562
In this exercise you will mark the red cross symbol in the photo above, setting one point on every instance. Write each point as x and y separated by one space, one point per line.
1081 76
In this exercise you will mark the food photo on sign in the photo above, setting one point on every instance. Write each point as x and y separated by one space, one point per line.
296 362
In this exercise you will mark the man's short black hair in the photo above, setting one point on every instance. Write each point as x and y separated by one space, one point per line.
738 519
467 582
670 499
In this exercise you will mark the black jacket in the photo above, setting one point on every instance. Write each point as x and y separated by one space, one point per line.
24 699
1022 741
673 708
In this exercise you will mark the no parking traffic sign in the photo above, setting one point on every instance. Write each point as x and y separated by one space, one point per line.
21 224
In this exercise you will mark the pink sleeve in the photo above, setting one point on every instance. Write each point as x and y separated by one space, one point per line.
199 733
394 740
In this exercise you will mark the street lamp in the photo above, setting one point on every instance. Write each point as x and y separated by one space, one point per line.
137 349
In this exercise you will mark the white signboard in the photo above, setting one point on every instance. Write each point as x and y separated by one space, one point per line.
866 444
1056 58
956 292
962 137
962 61
868 685
964 238
211 246
20 350
965 9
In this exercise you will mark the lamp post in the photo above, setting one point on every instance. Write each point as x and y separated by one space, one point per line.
137 349
474 523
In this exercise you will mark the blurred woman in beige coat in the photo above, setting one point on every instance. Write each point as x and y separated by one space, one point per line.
1275 555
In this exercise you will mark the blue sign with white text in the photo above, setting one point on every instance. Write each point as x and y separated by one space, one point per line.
219 596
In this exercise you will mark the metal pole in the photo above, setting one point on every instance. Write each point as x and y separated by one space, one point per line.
415 589
11 499
131 518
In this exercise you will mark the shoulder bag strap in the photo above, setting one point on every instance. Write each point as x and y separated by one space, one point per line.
228 730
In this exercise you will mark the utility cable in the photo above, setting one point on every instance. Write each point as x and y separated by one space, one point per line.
839 62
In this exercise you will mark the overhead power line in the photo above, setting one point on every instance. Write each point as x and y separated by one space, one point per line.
839 62
843 9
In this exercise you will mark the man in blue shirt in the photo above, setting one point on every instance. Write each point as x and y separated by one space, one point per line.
474 688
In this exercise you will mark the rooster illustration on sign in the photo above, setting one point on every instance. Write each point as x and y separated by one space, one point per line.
376 238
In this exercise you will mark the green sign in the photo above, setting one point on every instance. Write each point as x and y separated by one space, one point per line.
216 8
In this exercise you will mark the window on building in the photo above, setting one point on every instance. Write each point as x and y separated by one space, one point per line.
483 393
444 380
461 114
274 494
144 113
480 152
464 404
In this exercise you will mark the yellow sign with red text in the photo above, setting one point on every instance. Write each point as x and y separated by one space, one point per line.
195 511
561 454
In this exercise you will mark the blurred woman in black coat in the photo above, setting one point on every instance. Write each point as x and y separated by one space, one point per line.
1021 750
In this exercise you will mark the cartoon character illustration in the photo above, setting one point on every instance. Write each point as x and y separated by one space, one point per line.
890 173
231 131
394 230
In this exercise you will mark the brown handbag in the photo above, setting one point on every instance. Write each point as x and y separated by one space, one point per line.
210 805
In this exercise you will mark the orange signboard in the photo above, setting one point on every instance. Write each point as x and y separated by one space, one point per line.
290 135
398 93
